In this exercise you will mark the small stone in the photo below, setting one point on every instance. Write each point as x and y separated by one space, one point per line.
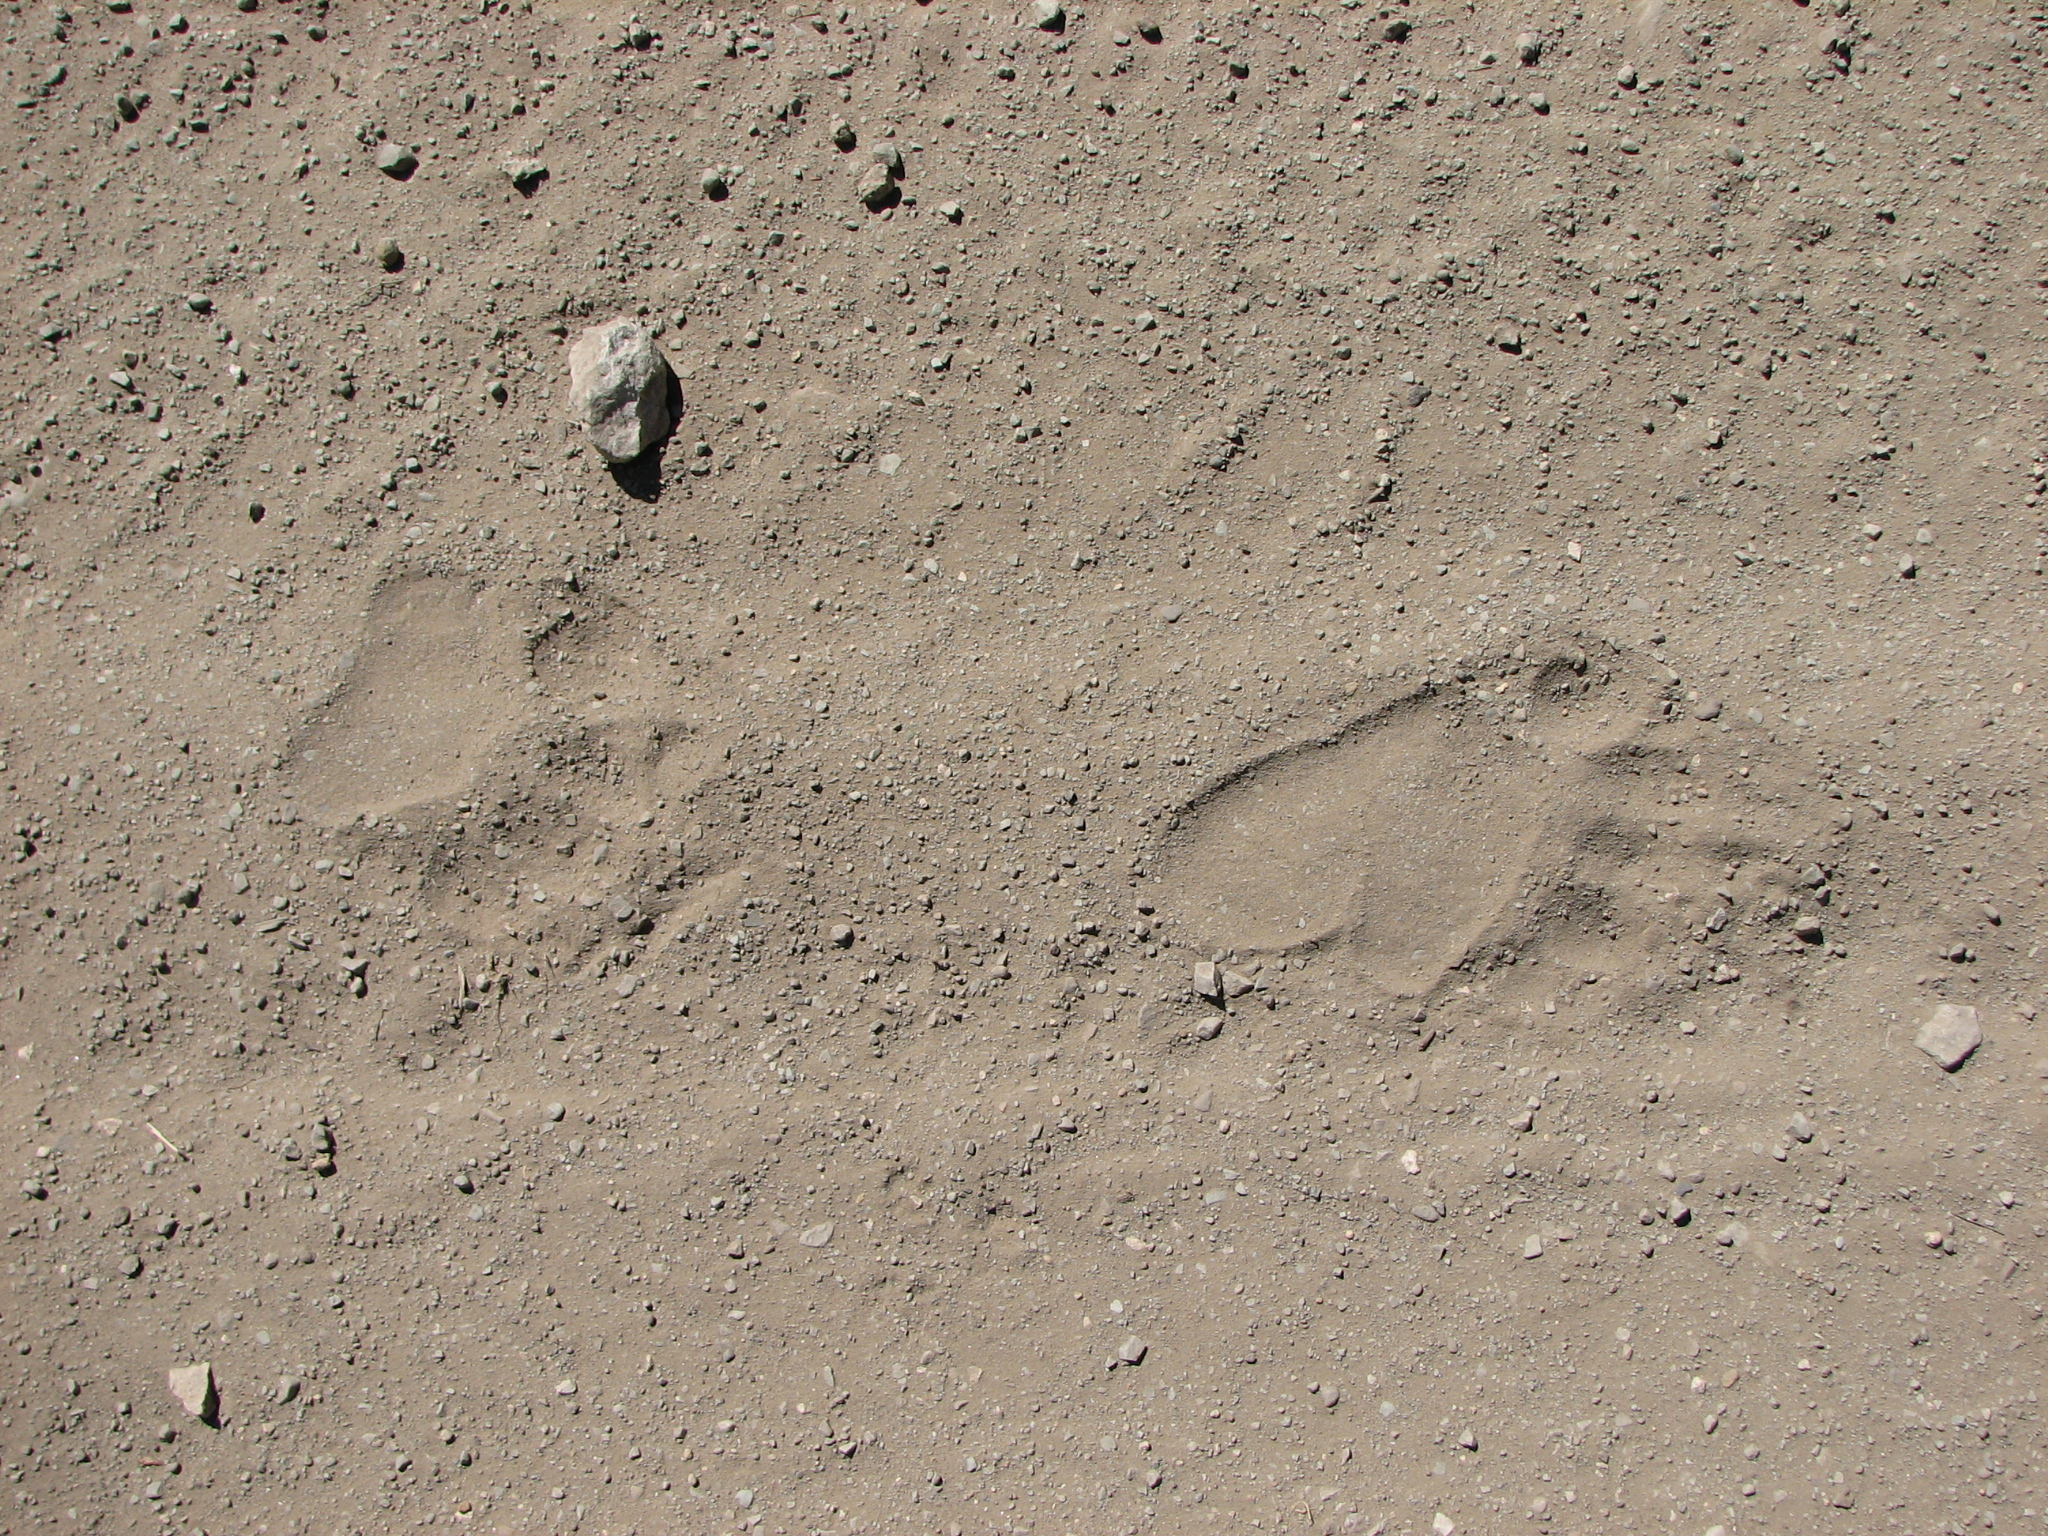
1131 1350
1328 1395
1528 47
526 174
842 935
1950 1035
1538 102
198 303
1209 980
555 1112
465 1183
566 1387
1236 984
1150 31
1209 1028
389 256
1532 1247
744 1498
816 1237
1678 1213
713 185
1707 709
1048 15
1625 77
952 213
618 388
1396 31
193 1386
1801 1128
890 159
1442 1524
397 162
877 189
288 1389
1468 1441
844 139
130 1265
1168 613
1731 1235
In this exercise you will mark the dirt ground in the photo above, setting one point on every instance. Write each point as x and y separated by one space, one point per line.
1252 828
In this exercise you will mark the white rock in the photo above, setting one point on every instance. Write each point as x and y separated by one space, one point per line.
192 1385
1533 1247
618 388
1951 1035
816 1237
1132 1350
1209 980
1442 1524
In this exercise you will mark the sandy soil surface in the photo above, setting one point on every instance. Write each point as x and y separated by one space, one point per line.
1267 819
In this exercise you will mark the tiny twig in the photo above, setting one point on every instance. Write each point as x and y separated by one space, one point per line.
1973 1221
169 1145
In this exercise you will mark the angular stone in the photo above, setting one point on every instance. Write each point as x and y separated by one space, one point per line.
1132 1350
526 174
1209 980
193 1386
618 388
397 162
877 189
1951 1035
816 1237
1048 15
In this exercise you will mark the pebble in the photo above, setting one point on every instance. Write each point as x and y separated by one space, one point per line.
713 185
1532 1247
1731 1235
397 162
566 1387
198 303
1950 1035
193 1387
890 159
1442 1524
816 1237
1528 47
1131 1350
842 935
389 256
877 189
618 388
1168 613
555 1111
1397 30
526 174
952 213
465 1183
1801 1128
844 139
1209 1028
1048 15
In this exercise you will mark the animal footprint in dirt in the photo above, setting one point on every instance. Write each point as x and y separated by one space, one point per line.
1402 841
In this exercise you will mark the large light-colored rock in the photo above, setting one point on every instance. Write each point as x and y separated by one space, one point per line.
618 388
1951 1035
192 1386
